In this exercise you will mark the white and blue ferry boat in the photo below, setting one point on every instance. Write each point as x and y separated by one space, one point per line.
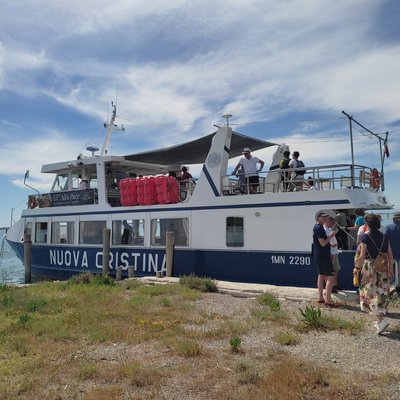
219 231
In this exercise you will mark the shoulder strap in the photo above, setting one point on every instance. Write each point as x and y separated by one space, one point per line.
373 241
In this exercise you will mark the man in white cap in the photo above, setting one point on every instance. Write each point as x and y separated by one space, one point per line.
393 234
321 250
85 183
249 165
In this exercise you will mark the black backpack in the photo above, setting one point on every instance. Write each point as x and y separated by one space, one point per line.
300 164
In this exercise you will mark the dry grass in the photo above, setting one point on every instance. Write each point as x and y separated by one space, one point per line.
102 341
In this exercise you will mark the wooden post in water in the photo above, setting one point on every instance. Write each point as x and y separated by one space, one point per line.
106 252
169 252
27 258
131 271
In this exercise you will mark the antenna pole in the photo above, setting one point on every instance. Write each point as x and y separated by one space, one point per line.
109 126
227 116
350 117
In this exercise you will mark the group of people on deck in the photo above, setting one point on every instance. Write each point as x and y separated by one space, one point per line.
249 167
372 240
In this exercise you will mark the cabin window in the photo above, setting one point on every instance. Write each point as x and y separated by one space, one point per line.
61 183
160 227
234 231
41 232
128 231
75 180
91 232
62 232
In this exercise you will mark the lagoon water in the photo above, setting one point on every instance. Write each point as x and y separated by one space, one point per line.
11 268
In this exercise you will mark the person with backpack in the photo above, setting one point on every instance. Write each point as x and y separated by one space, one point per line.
375 282
297 176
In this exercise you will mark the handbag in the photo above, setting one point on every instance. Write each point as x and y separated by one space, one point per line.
381 262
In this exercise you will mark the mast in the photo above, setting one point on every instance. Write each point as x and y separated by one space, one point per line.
381 140
110 126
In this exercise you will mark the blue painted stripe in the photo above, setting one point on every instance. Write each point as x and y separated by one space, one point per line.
195 208
227 150
211 182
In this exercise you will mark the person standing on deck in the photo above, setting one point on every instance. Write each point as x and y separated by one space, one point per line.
393 234
249 164
296 176
284 164
85 183
321 250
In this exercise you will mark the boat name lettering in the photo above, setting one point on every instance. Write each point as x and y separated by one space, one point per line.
75 258
145 262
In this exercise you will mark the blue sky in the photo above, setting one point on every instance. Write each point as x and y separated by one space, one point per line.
284 69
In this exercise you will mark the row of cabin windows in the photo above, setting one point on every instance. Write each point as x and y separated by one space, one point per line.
129 231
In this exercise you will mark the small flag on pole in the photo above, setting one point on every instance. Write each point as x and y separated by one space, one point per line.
386 149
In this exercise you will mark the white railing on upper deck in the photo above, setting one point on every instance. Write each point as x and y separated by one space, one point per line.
328 177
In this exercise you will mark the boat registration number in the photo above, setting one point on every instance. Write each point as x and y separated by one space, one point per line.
293 260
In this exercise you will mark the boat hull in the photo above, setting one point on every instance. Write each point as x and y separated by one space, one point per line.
276 268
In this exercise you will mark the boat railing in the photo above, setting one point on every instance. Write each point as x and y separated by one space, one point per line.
90 196
186 188
327 177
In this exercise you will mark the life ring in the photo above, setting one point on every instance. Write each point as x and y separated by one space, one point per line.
375 179
32 203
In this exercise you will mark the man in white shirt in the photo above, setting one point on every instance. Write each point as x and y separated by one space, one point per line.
295 176
85 183
249 165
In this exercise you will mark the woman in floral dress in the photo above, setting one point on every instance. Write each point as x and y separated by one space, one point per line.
374 286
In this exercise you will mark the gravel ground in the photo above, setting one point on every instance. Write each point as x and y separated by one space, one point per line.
212 376
365 352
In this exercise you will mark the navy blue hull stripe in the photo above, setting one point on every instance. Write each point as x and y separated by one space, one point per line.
196 208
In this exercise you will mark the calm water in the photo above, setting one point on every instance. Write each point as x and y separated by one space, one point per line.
11 269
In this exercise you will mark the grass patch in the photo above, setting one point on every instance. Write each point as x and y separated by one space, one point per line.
202 284
247 372
291 379
313 319
138 375
270 300
188 348
87 278
262 314
287 338
235 343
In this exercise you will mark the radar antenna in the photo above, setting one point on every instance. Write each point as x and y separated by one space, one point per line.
227 116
